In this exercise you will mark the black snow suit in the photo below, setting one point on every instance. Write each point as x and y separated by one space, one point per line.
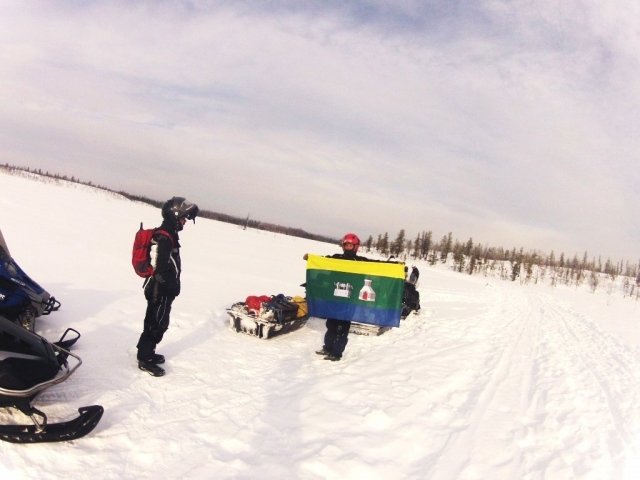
160 289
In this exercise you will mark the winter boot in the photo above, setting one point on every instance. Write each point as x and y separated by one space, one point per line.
157 359
151 368
322 351
332 358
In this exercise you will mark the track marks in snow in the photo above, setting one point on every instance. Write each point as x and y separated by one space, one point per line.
591 389
532 373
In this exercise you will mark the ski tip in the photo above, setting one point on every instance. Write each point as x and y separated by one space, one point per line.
55 432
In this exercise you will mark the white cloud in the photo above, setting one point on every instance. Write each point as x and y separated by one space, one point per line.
512 122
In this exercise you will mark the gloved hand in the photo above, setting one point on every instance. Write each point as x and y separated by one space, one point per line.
167 285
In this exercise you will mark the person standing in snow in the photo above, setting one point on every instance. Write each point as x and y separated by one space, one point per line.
164 285
336 336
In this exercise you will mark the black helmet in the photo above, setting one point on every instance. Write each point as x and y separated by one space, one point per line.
179 207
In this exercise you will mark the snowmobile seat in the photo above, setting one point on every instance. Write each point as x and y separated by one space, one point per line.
30 364
25 360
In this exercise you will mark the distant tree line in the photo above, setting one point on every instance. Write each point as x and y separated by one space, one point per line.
509 264
512 264
222 217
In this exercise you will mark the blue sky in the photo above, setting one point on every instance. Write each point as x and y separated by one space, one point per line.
513 123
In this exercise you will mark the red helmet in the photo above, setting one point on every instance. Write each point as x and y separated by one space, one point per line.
353 239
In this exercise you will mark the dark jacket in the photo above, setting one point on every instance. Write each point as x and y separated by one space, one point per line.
350 256
165 281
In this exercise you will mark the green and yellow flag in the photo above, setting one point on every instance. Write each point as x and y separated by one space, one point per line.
365 292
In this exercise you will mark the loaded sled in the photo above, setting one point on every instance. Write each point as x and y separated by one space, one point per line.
29 364
267 316
22 300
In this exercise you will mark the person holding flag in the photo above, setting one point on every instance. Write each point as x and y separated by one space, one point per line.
336 336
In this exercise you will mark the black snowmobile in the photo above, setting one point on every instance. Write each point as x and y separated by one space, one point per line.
411 296
21 299
30 364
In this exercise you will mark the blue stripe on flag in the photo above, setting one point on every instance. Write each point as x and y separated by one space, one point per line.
354 312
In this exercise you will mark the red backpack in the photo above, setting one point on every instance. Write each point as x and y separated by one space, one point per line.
141 257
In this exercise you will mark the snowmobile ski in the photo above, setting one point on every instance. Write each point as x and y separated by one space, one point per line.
53 432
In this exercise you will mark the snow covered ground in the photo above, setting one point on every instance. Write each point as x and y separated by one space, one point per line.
492 380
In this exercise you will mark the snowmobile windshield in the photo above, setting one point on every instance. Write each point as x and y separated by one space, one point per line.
4 250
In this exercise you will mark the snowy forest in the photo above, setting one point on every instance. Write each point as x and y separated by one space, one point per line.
511 264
